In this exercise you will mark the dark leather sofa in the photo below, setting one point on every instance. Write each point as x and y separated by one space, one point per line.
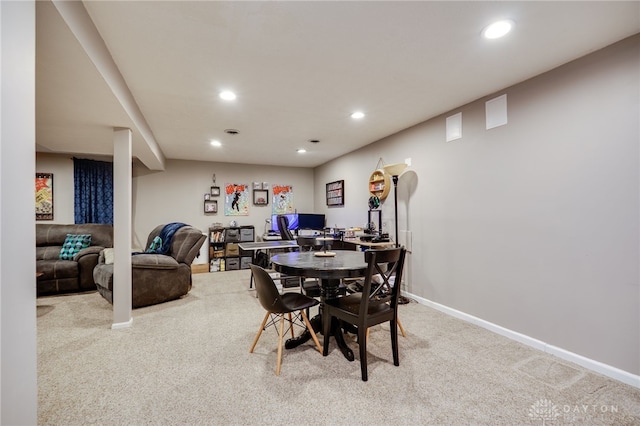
65 276
156 278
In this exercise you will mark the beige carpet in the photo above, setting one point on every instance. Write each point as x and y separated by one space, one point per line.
187 362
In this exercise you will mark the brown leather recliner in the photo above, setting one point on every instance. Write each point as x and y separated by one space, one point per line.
156 278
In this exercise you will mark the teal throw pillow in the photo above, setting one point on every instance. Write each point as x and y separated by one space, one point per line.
73 244
155 245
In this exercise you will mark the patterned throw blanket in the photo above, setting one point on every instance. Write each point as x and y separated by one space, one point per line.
162 243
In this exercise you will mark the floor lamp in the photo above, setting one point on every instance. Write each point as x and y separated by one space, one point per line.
395 170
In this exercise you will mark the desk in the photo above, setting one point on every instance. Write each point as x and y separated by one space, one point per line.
357 242
330 270
266 246
352 243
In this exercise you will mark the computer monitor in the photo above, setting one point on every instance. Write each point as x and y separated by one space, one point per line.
311 221
297 221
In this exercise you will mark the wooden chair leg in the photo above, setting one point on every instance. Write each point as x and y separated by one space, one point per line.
291 326
394 343
401 328
362 344
310 328
280 344
255 341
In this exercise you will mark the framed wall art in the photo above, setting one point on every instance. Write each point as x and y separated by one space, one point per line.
236 199
211 206
282 199
335 193
215 191
44 196
260 197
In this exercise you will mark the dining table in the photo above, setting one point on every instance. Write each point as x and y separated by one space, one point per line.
330 268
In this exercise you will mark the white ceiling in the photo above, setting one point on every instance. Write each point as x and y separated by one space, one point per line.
299 69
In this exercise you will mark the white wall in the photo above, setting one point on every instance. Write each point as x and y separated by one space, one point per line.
18 386
177 194
533 226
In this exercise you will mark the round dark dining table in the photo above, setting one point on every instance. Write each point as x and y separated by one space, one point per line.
330 270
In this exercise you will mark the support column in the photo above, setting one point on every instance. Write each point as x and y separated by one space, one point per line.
18 338
122 228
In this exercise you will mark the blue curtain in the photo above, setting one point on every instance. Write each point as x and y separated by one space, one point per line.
93 191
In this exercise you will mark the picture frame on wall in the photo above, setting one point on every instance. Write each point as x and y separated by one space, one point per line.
237 197
44 196
211 206
260 197
335 193
215 191
282 199
207 196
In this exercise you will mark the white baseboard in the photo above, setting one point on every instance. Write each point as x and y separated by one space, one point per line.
596 366
119 325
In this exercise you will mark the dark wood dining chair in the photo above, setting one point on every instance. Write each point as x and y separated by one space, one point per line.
374 305
355 286
281 308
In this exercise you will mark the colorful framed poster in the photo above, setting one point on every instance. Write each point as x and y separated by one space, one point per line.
236 199
282 199
44 196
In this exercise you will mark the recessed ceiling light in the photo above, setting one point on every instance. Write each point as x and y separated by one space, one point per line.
227 95
216 143
497 29
357 115
301 151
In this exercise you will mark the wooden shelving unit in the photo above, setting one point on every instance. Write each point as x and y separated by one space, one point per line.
379 184
224 253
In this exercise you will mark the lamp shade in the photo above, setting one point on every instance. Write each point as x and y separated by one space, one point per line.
395 169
